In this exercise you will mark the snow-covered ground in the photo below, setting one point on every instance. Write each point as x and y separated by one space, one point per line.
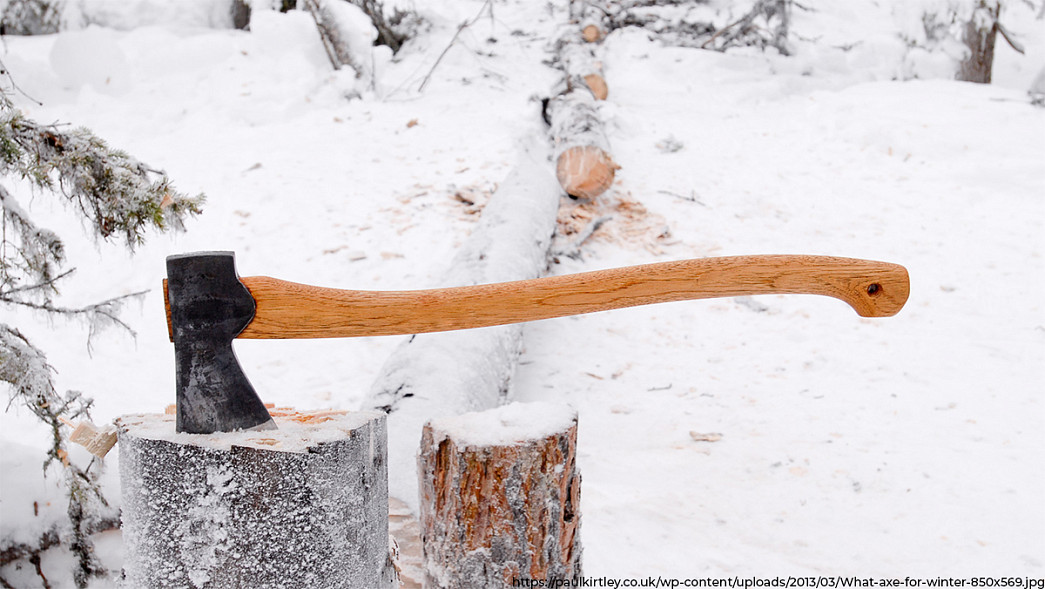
913 445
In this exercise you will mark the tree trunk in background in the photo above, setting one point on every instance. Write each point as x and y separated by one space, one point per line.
979 36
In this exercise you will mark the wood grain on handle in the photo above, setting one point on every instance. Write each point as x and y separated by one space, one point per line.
291 310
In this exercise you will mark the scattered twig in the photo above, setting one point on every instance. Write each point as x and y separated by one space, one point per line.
750 303
574 249
691 198
705 437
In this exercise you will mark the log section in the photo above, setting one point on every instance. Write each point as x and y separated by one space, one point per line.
499 497
306 504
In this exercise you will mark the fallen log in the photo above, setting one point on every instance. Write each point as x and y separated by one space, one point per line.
583 164
581 67
500 494
441 374
590 20
582 156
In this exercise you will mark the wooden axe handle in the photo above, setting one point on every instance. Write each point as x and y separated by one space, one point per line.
291 310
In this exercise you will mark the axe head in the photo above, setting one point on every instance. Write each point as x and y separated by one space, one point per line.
209 307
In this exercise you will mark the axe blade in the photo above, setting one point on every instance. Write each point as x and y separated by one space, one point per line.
209 307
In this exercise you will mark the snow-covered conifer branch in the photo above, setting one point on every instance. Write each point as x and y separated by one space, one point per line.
117 193
25 368
119 196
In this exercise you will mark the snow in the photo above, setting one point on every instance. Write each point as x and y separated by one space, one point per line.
91 56
913 445
30 503
506 425
290 436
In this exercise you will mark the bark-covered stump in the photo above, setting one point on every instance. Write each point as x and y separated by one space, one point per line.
499 497
302 506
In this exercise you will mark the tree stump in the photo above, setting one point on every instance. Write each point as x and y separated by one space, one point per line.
499 497
305 505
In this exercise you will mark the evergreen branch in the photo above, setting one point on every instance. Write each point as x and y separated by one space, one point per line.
117 193
25 368
120 197
98 316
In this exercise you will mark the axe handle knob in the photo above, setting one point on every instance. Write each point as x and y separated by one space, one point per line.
291 310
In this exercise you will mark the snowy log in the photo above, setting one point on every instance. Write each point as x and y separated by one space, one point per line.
499 497
305 504
579 62
441 374
590 19
582 157
575 47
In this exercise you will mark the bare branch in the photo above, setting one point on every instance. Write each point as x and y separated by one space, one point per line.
460 28
1010 38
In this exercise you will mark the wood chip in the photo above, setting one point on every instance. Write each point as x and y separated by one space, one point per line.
705 437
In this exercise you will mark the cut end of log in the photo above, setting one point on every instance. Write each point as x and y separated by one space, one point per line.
592 34
298 430
597 84
585 171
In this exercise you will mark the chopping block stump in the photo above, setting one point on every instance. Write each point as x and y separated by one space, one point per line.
499 493
305 505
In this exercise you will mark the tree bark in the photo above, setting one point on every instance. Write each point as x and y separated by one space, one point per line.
497 511
980 34
440 374
256 509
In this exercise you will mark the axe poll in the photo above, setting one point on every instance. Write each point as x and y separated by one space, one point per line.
209 305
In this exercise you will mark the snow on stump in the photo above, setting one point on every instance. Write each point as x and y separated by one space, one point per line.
305 505
499 497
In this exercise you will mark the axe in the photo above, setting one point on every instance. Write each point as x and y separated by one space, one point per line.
208 305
